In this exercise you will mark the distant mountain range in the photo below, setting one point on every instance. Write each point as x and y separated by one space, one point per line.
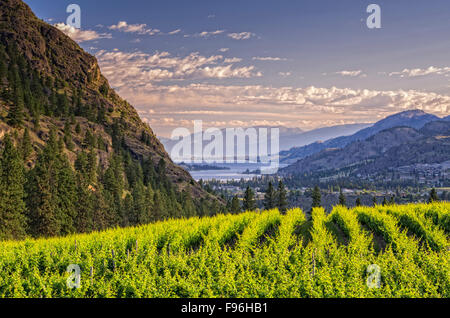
412 118
388 149
291 137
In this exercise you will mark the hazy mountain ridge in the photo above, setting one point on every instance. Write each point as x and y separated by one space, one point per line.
412 118
389 148
289 137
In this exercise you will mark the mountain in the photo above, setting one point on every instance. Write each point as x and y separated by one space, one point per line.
75 134
412 118
387 150
290 137
289 141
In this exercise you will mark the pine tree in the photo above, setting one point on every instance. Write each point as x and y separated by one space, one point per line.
66 195
127 211
52 192
187 204
114 187
12 194
342 199
235 205
15 115
316 197
92 166
270 197
36 121
3 69
140 212
228 206
41 189
392 200
384 201
433 196
374 201
77 128
27 148
249 203
68 135
101 211
84 206
358 201
159 211
281 197
89 140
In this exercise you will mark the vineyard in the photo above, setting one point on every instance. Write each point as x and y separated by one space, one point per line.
384 251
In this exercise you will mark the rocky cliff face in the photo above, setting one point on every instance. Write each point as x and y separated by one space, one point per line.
58 60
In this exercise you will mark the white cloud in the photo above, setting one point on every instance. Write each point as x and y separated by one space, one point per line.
175 32
432 70
79 35
233 60
137 68
288 105
285 74
351 73
241 36
142 29
205 34
224 49
268 58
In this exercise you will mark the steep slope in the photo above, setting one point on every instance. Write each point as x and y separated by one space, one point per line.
55 56
80 156
412 118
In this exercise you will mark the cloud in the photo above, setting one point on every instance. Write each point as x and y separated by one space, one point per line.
241 36
137 68
351 73
142 29
233 60
285 74
224 49
175 32
432 70
205 34
268 58
287 105
79 35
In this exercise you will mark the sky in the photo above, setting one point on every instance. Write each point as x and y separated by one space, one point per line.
303 64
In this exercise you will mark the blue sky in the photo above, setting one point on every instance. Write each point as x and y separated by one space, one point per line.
303 64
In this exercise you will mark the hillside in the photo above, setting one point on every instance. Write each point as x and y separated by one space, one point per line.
388 149
56 106
247 255
412 118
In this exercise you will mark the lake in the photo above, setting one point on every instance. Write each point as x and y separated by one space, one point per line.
235 171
